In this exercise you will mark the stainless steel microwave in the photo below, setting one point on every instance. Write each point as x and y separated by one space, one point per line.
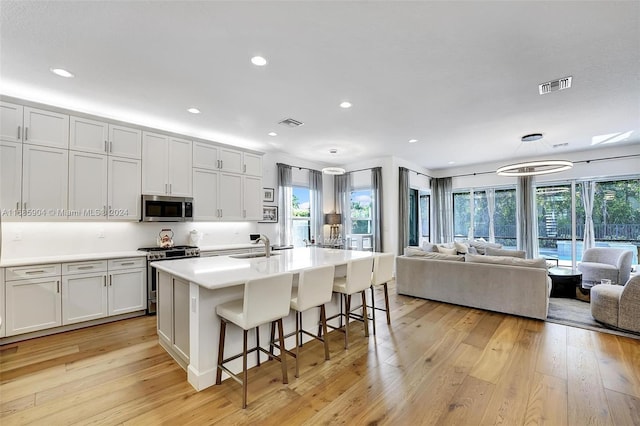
161 208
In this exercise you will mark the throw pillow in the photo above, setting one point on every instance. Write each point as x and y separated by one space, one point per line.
440 256
490 251
414 251
507 260
461 247
472 250
445 250
481 245
428 247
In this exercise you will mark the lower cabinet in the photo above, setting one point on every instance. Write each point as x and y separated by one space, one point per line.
173 314
3 318
84 297
126 291
33 304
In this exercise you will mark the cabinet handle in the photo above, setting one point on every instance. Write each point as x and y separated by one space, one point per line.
26 133
221 164
169 188
111 146
218 161
104 209
244 213
35 272
58 286
105 280
24 205
19 128
127 263
110 280
166 186
244 168
85 267
17 205
105 146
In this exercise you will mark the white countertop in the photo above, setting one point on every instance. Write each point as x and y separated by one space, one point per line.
225 271
7 263
229 246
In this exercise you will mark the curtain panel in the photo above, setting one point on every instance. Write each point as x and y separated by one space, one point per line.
527 216
285 193
317 215
588 194
442 196
491 208
403 209
376 190
342 197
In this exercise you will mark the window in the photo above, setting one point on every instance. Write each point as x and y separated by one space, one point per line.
361 211
461 214
419 204
554 221
425 215
301 215
504 218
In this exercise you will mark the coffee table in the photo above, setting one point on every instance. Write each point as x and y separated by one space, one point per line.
565 282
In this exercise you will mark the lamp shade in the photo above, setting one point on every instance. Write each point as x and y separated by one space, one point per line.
332 219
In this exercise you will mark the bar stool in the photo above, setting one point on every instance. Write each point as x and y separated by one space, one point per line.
358 279
382 274
315 288
265 300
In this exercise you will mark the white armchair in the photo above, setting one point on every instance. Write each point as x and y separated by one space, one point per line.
606 263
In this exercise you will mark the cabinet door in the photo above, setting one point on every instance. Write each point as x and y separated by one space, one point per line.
84 297
87 186
3 324
11 129
88 135
46 128
33 305
252 197
165 306
155 173
230 197
127 291
205 156
10 179
181 318
124 193
180 160
231 160
205 195
125 142
252 164
44 182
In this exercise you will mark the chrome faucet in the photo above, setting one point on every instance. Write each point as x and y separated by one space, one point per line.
267 245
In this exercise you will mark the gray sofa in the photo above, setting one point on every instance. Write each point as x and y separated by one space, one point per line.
517 290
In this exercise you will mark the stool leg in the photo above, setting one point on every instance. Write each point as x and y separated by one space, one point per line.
373 308
223 326
298 342
283 358
258 344
386 301
363 293
346 327
323 318
272 338
245 376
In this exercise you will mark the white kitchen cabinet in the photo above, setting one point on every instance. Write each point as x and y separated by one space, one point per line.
124 188
205 195
46 128
164 287
11 122
205 156
127 291
166 165
3 318
44 182
84 291
252 197
103 138
10 179
230 197
33 298
87 185
173 324
252 164
230 160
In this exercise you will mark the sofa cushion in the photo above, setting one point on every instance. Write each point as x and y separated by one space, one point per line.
491 251
429 248
507 260
461 247
444 250
413 252
481 245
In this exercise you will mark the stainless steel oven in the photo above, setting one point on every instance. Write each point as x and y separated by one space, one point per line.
155 254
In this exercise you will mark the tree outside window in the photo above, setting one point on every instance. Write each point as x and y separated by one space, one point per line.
361 211
301 215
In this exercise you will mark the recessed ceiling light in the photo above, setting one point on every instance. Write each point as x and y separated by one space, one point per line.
272 134
194 110
413 140
62 72
345 104
451 162
532 137
259 61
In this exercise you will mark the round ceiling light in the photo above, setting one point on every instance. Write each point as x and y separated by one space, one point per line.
532 137
272 134
62 72
333 171
533 168
194 110
413 140
259 61
345 104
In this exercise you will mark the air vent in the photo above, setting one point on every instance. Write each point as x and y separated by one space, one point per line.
560 145
552 86
290 122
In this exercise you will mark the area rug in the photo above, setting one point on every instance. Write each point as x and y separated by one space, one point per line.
576 313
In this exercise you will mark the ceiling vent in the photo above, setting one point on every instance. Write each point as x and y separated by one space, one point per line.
552 86
290 122
560 145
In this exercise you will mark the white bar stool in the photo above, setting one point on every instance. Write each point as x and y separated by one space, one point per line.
382 274
358 279
315 288
265 300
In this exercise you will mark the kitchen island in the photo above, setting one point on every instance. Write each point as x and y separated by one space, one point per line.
190 289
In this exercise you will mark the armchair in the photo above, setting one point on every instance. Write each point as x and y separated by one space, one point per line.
617 306
606 262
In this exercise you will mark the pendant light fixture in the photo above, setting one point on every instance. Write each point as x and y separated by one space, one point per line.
333 170
532 168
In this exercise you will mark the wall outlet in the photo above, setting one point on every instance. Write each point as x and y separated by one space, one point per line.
17 235
100 233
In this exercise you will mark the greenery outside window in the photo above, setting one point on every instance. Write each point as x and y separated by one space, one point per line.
301 215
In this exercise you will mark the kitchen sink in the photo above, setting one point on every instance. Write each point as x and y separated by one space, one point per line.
251 255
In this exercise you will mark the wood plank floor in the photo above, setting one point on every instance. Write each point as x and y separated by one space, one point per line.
437 364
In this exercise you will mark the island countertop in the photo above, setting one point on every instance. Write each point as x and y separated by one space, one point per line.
225 271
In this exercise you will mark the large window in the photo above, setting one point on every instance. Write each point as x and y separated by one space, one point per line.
461 214
361 211
301 216
419 204
554 221
425 215
504 218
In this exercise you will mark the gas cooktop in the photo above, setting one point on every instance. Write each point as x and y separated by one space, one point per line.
167 248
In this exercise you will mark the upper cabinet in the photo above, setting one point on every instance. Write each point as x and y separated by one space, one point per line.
44 182
166 165
103 138
33 125
230 160
252 164
205 156
212 157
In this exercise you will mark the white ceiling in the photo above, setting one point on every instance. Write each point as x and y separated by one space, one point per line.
461 77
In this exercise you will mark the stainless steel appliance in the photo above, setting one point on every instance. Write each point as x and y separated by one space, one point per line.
155 254
161 208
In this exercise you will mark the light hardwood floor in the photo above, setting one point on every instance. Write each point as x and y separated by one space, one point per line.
437 364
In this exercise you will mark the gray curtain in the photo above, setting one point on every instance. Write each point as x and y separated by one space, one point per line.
376 190
285 192
527 213
317 215
403 209
588 193
442 196
342 197
491 208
